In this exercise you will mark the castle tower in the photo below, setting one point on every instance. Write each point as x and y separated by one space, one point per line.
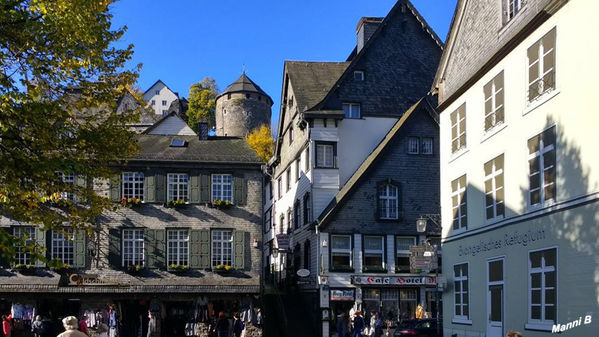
242 107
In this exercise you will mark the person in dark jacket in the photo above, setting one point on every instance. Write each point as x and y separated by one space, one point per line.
341 325
238 326
222 325
358 325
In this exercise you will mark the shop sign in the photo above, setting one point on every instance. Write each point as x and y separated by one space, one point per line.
342 295
283 242
93 280
398 280
422 257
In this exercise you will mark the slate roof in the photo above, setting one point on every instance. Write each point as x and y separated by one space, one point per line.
311 81
244 84
160 81
179 106
213 150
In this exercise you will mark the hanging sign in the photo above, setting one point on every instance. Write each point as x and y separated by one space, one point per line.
395 280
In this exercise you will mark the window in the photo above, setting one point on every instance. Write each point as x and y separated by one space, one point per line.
307 163
296 214
461 288
290 135
413 143
62 246
494 102
374 253
541 163
511 8
133 185
307 209
163 103
307 254
178 186
359 75
164 113
177 247
289 221
351 110
388 201
222 247
541 66
494 188
133 247
341 252
542 285
67 178
458 203
325 154
426 146
270 189
156 92
281 223
267 220
26 237
153 102
280 186
228 96
297 170
458 128
402 253
288 180
222 187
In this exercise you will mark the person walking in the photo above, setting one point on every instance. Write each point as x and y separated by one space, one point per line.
222 325
377 327
83 324
37 327
341 325
238 325
6 326
358 325
71 325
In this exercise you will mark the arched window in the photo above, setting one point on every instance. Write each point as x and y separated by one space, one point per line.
307 209
282 223
388 201
289 221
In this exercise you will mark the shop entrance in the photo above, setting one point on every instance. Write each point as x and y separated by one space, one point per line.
393 304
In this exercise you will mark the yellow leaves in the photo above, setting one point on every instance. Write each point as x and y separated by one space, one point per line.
260 139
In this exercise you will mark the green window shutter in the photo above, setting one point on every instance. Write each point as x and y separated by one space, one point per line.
239 249
150 245
40 238
156 258
205 188
4 237
239 189
80 249
160 186
81 182
114 248
194 187
199 248
115 188
149 187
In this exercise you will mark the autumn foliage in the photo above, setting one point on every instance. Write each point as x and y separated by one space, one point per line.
260 139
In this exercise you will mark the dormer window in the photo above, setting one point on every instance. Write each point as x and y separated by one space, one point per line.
351 110
511 8
358 75
157 92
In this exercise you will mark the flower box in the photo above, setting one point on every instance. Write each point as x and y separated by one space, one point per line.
222 269
135 269
222 204
25 269
175 203
178 269
130 202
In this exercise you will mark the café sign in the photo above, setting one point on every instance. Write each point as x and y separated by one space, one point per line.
393 280
342 294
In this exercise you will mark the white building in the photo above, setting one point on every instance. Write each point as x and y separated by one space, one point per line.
159 97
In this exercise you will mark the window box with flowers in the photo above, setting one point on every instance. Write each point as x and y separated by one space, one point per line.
24 269
222 269
222 204
58 266
130 202
135 269
180 203
178 268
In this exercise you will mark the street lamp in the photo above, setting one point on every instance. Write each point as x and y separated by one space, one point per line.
421 225
421 228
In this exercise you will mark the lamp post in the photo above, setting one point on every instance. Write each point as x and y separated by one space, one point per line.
421 228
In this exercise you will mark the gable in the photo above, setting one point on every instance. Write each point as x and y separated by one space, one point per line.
171 125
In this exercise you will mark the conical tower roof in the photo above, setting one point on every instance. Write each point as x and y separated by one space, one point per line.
244 84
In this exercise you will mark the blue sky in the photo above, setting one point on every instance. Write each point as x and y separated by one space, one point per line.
183 41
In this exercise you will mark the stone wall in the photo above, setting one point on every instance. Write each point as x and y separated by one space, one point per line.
237 115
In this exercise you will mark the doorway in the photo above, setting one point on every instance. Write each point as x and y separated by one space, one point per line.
495 297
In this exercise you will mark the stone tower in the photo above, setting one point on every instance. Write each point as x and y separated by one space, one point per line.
242 107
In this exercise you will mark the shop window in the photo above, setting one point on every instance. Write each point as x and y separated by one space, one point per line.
26 236
541 163
222 247
133 185
374 254
341 253
461 292
178 247
222 187
62 246
494 188
542 269
177 187
133 247
408 299
402 253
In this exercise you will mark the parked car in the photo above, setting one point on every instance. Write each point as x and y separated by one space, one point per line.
418 328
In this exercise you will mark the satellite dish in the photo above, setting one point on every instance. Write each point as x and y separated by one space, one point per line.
303 273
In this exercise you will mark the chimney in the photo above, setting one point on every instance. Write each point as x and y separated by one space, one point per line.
203 130
366 27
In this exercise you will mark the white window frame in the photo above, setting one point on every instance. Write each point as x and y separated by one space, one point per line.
138 246
456 117
461 278
512 8
386 210
307 159
221 246
352 110
137 181
179 187
461 194
413 145
67 178
219 185
298 169
326 152
288 179
344 251
427 145
280 187
403 252
493 177
163 102
494 89
542 168
177 247
27 233
542 324
375 252
358 75
540 64
62 246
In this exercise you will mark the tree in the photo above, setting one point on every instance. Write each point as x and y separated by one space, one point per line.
202 102
60 77
260 139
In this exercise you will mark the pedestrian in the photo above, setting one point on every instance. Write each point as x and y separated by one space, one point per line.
222 325
378 326
341 324
513 333
71 325
83 324
238 325
151 325
371 324
5 326
102 330
358 325
37 326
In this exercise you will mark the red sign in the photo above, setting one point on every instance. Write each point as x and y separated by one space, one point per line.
395 280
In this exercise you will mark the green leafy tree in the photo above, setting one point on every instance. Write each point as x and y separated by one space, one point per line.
260 139
202 102
60 77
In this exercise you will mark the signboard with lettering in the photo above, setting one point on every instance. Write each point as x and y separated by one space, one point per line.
394 280
422 258
342 294
93 280
283 242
